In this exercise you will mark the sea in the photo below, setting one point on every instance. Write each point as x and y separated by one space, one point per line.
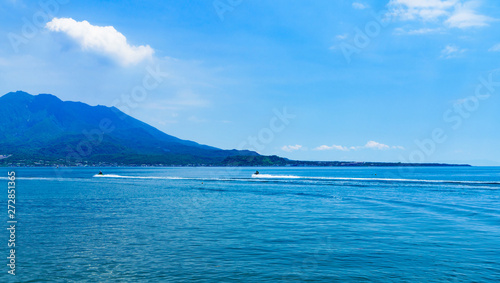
224 224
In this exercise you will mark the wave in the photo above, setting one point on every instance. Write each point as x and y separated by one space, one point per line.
115 176
269 176
276 178
42 178
138 177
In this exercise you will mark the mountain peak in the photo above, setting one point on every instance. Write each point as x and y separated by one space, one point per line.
19 92
25 97
16 95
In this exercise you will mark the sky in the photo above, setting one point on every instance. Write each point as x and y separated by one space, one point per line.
393 80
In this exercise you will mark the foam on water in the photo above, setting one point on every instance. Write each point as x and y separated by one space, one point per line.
115 176
138 177
291 178
276 178
288 224
40 178
269 176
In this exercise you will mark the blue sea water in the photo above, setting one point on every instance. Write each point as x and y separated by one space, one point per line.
375 224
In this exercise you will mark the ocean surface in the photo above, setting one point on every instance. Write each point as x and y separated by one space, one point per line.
375 224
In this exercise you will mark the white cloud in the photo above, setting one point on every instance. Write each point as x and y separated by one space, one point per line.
333 147
104 40
495 48
376 145
420 9
465 16
451 13
290 148
359 6
451 51
369 145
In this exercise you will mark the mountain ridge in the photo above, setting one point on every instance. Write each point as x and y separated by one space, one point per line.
47 128
43 130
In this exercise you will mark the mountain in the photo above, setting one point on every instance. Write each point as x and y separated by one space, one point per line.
44 129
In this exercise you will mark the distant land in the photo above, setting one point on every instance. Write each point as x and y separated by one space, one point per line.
43 130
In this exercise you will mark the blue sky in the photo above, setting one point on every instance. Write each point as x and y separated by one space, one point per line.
399 80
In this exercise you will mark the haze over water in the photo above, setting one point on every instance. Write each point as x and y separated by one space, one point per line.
290 224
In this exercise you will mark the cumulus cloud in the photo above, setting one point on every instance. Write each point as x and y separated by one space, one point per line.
359 6
369 145
451 13
290 148
376 145
465 16
420 9
451 51
105 40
